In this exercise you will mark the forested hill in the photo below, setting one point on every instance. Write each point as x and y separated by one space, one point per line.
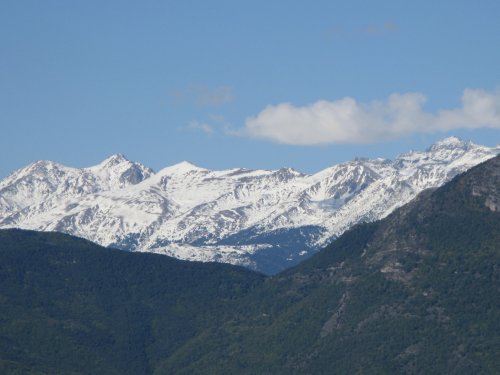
415 293
69 306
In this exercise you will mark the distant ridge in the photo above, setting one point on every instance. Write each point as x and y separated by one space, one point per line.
264 220
414 293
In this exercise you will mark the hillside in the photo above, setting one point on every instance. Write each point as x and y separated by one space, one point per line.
415 293
71 307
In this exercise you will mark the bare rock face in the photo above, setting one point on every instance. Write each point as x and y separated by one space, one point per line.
488 189
399 239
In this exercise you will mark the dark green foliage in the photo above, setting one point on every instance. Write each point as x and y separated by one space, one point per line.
415 293
70 306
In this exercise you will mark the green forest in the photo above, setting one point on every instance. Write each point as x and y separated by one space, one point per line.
415 293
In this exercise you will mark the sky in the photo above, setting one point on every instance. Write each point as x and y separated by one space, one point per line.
254 84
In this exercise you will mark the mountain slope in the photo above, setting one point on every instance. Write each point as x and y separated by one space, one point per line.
71 307
41 186
414 293
265 220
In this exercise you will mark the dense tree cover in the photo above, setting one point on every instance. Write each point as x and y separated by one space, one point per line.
69 306
415 293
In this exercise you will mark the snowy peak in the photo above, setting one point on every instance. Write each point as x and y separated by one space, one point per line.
450 143
113 160
46 184
42 168
183 167
44 165
124 204
118 172
286 174
448 150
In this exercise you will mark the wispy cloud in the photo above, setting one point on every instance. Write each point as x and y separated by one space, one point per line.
348 121
203 96
213 124
221 122
200 126
216 96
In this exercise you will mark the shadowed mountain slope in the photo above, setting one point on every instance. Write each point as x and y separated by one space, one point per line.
415 293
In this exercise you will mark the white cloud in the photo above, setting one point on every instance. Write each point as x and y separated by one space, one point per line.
196 125
347 121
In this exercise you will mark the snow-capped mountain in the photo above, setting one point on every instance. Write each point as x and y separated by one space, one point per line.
43 185
267 220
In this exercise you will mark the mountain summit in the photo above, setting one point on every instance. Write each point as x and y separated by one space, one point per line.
265 220
450 143
414 293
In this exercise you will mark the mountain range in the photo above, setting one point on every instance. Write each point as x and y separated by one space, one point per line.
414 293
266 220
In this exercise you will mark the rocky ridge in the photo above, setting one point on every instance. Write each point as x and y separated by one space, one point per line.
265 220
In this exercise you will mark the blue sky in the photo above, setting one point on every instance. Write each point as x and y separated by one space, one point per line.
256 84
